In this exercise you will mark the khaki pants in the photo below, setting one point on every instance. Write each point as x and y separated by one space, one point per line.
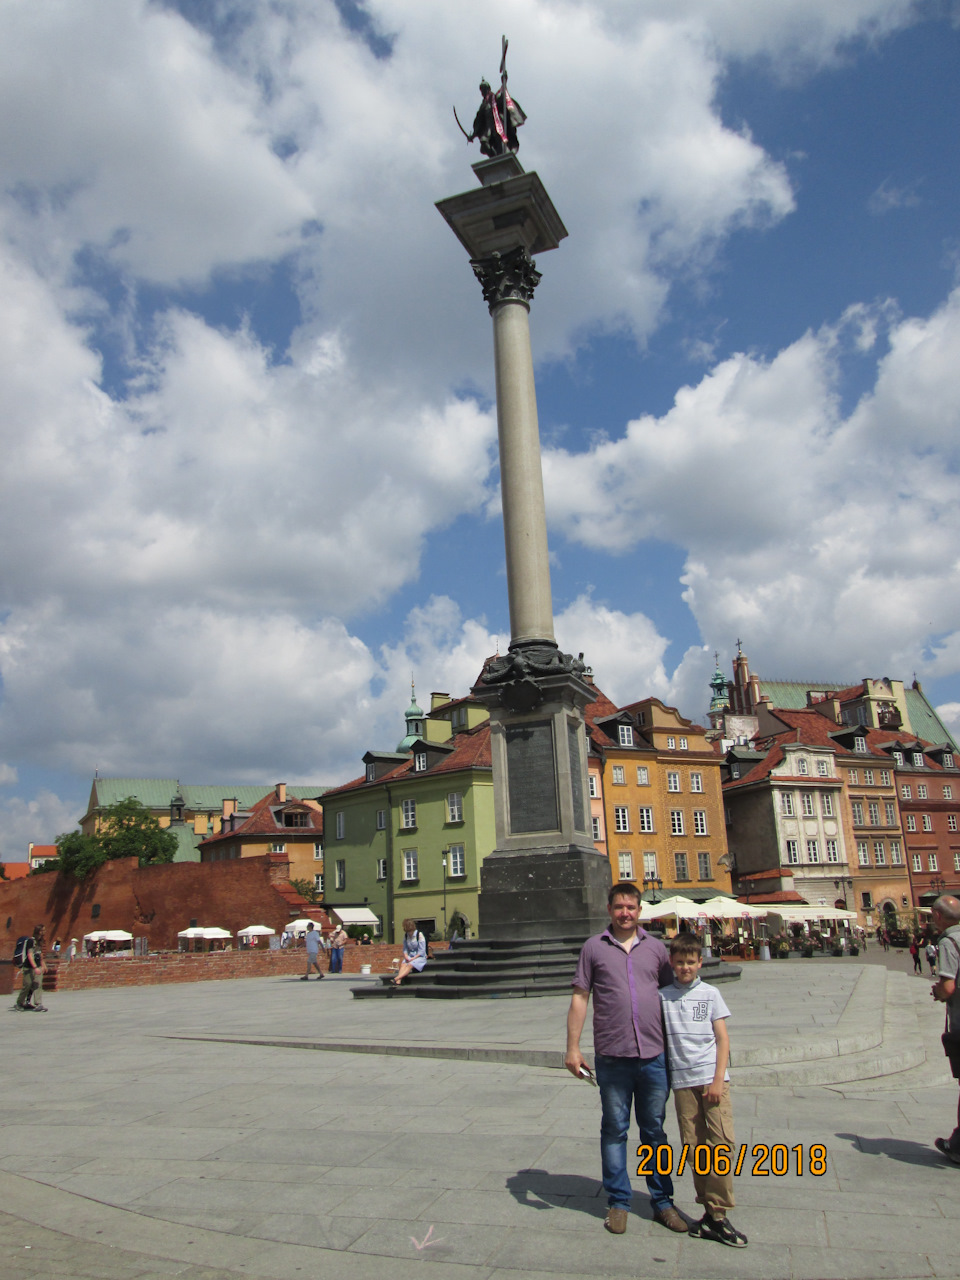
701 1125
32 981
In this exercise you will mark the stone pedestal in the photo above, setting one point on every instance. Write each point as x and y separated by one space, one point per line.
545 879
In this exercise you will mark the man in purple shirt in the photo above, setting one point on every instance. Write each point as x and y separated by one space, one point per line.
625 967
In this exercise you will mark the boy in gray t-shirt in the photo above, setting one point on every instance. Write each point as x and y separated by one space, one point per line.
698 1050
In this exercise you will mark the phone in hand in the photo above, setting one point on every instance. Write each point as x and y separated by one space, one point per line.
585 1073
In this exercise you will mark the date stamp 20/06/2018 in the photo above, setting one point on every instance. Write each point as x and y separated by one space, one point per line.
721 1160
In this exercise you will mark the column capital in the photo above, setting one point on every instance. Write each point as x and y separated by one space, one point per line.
506 277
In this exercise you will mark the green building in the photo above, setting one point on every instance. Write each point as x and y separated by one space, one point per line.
407 838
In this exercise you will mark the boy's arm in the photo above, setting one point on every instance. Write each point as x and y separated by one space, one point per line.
714 1091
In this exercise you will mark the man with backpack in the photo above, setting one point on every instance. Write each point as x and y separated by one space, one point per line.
31 959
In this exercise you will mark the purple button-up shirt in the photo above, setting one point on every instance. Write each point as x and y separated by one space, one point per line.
625 986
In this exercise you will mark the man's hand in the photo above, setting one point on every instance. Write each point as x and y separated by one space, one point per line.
573 1060
713 1092
576 1015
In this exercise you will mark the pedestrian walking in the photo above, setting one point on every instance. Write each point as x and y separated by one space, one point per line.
914 950
312 943
946 920
338 941
33 970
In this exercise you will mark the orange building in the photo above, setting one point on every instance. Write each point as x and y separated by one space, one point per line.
278 824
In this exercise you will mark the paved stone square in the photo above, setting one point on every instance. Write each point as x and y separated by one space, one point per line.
271 1127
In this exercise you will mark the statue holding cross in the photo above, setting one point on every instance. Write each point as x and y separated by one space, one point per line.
498 117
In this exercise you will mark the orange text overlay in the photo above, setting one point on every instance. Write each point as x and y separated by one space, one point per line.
759 1161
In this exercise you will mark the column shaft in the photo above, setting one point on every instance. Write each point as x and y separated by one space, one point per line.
521 477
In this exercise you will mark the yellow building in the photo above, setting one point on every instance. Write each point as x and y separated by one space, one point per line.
277 824
661 797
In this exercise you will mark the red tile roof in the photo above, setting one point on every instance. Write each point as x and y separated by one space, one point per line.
17 870
783 895
262 820
471 750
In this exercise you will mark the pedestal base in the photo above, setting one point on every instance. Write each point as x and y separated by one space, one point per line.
559 893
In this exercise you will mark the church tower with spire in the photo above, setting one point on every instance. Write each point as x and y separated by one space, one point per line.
413 718
719 699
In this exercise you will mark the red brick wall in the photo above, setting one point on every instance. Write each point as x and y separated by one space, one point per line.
172 966
151 902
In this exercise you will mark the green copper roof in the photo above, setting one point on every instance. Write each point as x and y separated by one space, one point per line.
791 695
156 793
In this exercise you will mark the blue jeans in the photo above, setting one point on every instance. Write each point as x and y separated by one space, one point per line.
336 959
642 1081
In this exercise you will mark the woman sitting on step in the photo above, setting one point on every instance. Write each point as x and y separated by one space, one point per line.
414 951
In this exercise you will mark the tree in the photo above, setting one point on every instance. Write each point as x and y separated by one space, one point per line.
127 830
306 889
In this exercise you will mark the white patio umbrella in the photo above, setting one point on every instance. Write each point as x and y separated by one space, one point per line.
108 935
216 933
676 905
195 932
255 931
300 926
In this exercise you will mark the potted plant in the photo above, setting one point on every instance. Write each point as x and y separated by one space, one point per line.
807 950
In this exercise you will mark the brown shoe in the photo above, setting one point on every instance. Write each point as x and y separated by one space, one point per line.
616 1221
670 1219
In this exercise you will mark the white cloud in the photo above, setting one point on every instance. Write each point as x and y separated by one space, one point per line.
8 775
40 819
826 538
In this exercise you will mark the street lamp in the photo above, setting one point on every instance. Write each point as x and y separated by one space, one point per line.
938 884
655 883
444 862
842 885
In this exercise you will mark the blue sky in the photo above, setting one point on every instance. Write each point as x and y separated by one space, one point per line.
247 389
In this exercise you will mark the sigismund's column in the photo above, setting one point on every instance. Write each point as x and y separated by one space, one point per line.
545 878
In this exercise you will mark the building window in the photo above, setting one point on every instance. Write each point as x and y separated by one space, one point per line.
456 863
921 791
295 819
801 765
915 862
699 822
896 853
650 866
683 744
410 869
625 735
826 804
806 804
927 822
860 744
318 882
371 773
703 866
786 803
891 814
857 809
833 853
278 847
680 862
734 771
813 851
454 807
317 849
676 822
951 822
341 871
646 819
408 818
381 868
911 822
932 862
918 759
868 777
874 810
673 782
625 863
947 791
592 785
671 744
956 862
879 855
898 758
341 825
643 776
884 777
906 791
866 900
696 783
793 853
596 828
823 768
621 818
420 761
948 759
863 854
378 928
619 778
854 777
381 819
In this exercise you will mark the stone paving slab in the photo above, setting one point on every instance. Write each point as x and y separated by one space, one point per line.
148 1154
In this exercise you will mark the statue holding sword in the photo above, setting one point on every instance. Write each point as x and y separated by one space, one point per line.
498 117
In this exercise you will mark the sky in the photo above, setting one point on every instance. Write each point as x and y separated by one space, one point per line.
249 484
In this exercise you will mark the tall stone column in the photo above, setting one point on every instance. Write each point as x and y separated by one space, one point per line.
545 879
